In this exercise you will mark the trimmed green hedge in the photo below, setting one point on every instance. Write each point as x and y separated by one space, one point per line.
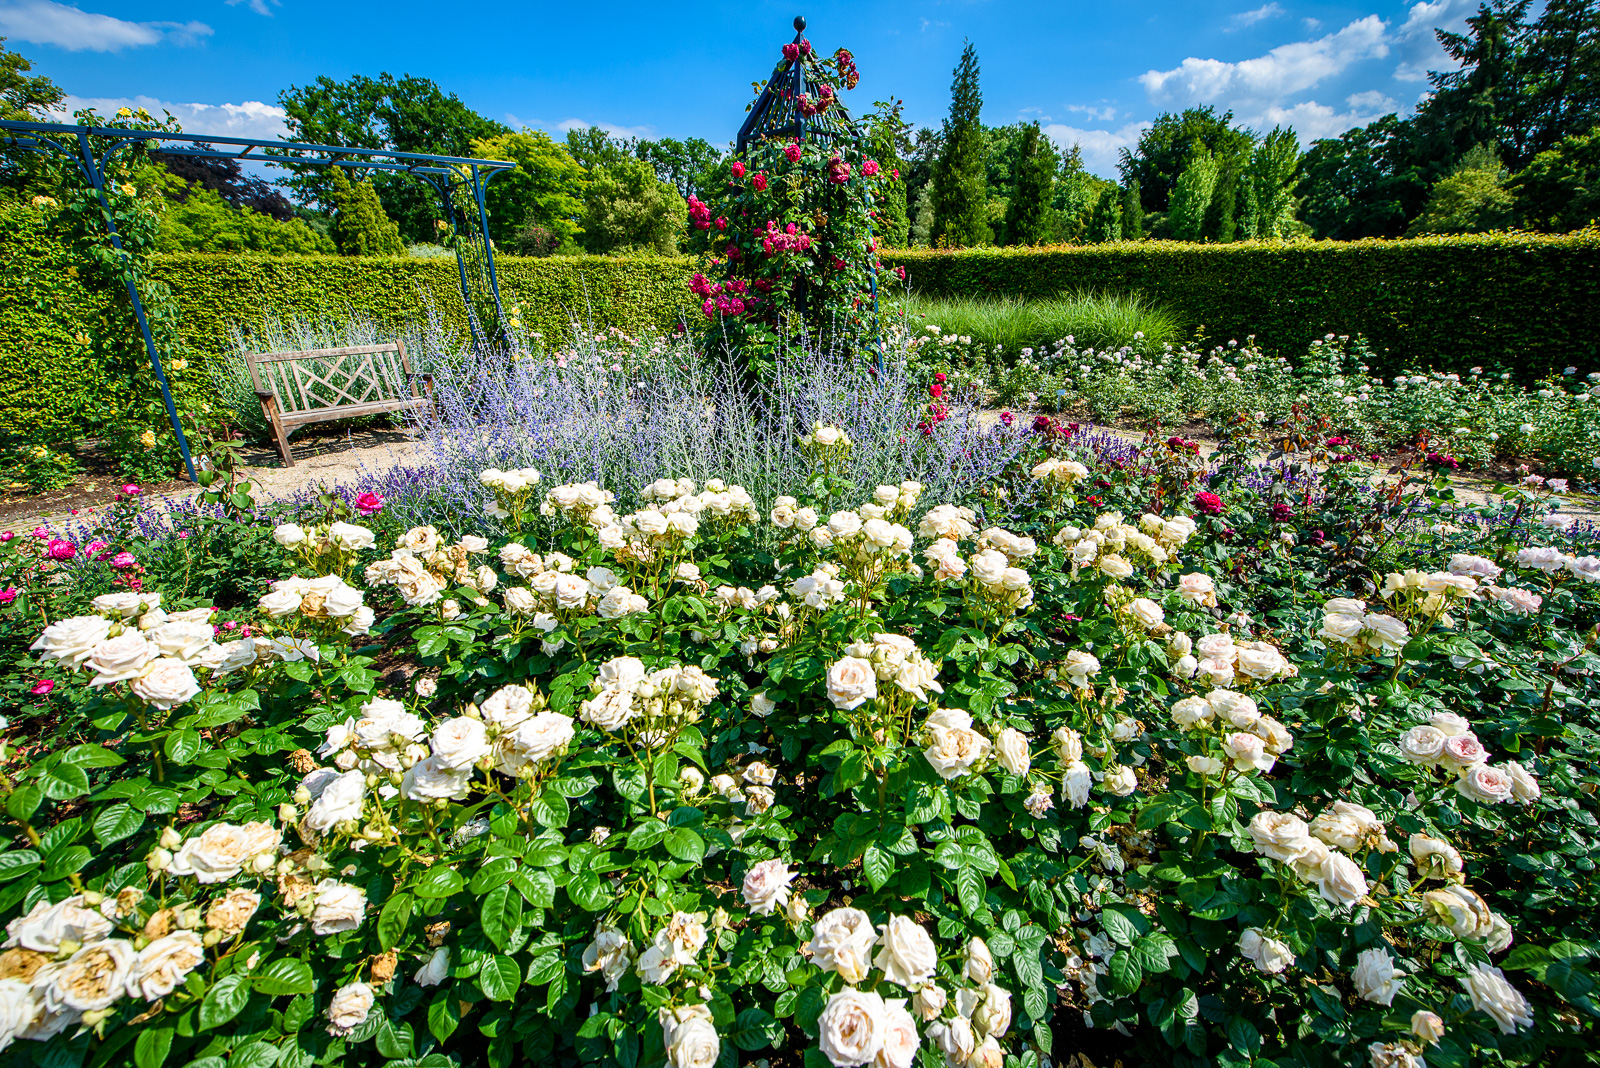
1526 303
46 376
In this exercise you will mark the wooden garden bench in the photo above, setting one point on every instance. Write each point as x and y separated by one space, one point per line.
320 385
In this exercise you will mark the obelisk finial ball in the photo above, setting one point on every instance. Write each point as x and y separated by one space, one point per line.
800 24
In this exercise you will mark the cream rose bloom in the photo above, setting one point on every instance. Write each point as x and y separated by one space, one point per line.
46 926
1435 858
121 658
851 683
436 969
1491 994
907 956
1282 836
231 912
1460 909
337 907
428 780
92 978
1375 977
72 641
1147 612
852 1028
223 850
459 742
1484 783
900 1039
766 886
1198 589
1340 880
1427 1026
842 941
1011 750
1423 744
690 1037
165 683
340 800
349 1008
1120 781
979 962
954 750
1269 955
162 964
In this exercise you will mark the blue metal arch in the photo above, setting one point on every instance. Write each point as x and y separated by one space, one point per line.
449 176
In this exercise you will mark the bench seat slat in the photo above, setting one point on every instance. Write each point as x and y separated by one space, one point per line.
314 354
352 411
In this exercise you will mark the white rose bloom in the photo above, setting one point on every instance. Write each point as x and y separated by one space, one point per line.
289 535
436 970
1011 750
956 1041
842 941
1147 612
766 886
343 602
978 964
1120 781
46 926
852 1028
281 602
1423 744
350 537
121 658
1076 780
690 1037
1336 626
1375 977
1340 880
72 641
1460 909
1386 633
1524 786
929 1002
1204 765
1247 752
1198 589
93 978
431 780
1484 783
162 964
349 1008
1427 1026
908 955
851 683
1269 955
1491 994
1258 660
459 742
1281 836
223 850
954 750
1434 858
507 706
165 683
1190 712
610 710
340 800
535 740
337 907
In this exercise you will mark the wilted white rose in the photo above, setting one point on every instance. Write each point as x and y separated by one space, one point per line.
349 1008
1491 994
337 907
1011 750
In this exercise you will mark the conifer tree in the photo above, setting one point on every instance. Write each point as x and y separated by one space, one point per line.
1105 225
960 186
360 227
1191 197
1132 213
1028 211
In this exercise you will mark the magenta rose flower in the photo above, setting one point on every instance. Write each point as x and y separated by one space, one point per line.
369 503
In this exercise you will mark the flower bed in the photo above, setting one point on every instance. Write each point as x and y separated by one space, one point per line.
1131 756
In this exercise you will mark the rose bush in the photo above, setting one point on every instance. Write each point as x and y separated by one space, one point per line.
677 776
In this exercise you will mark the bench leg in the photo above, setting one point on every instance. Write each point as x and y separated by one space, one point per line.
269 408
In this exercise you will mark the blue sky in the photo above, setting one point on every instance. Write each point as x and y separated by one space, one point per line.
1093 74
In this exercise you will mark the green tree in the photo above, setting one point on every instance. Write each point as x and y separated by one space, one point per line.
960 178
1269 185
1076 194
887 139
626 208
194 218
1132 213
1560 189
592 147
687 165
406 114
1221 223
1472 199
1365 183
545 190
921 232
24 99
1162 153
1105 225
1191 197
1028 212
360 227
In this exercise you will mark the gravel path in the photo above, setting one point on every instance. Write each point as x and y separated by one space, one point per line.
334 459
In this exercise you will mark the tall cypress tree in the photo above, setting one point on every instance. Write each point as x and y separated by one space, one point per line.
1028 211
1132 213
1191 197
1221 221
960 186
360 225
1105 225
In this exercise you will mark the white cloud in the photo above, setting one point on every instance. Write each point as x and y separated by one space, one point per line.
260 7
1246 19
1101 148
1094 114
1311 24
610 128
1419 49
1311 120
1266 80
48 23
252 119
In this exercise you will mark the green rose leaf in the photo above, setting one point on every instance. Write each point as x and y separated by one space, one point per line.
499 978
686 845
223 1001
116 823
150 1049
501 914
393 919
282 977
439 882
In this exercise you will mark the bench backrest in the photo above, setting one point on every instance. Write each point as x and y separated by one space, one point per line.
323 379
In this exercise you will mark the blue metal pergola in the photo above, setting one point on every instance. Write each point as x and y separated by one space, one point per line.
459 181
